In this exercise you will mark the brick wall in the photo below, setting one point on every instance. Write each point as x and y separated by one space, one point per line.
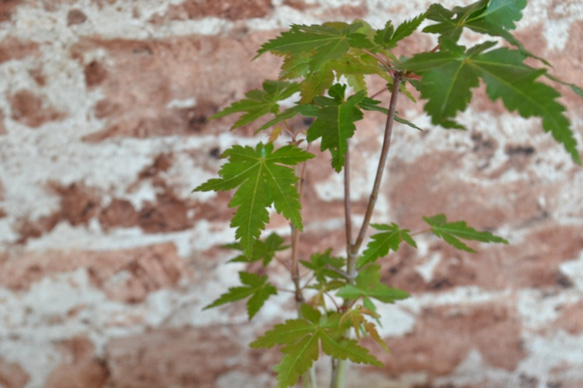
106 257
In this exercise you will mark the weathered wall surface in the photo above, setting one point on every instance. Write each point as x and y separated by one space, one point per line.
106 257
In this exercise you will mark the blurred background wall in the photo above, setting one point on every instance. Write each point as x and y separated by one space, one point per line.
106 257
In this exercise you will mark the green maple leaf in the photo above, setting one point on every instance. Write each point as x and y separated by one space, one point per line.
449 75
321 42
388 37
295 66
382 243
447 81
260 102
451 232
298 358
490 17
334 122
316 82
346 348
263 177
302 338
321 53
353 65
450 24
368 285
320 264
262 250
292 330
254 286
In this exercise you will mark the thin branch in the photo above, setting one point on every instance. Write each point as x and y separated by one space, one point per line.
382 161
287 128
378 93
332 299
380 60
303 175
339 272
420 232
280 261
295 240
308 281
347 210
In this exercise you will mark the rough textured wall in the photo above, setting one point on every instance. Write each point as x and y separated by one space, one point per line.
107 258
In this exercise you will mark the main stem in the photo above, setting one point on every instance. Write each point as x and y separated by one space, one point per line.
338 379
309 377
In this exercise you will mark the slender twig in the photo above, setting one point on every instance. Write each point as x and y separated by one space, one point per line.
309 377
309 281
280 261
380 60
350 255
382 161
332 299
378 93
295 240
420 232
303 175
295 268
287 128
347 210
339 272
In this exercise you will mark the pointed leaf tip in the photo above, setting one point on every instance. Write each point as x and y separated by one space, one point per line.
452 232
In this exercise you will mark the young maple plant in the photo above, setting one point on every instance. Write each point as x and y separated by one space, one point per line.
326 69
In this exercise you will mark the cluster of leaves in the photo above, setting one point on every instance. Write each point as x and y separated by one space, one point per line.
323 63
303 337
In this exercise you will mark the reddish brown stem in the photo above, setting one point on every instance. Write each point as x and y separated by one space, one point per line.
378 93
381 166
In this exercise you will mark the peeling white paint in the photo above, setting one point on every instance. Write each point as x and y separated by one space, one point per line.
574 270
539 310
395 321
426 269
